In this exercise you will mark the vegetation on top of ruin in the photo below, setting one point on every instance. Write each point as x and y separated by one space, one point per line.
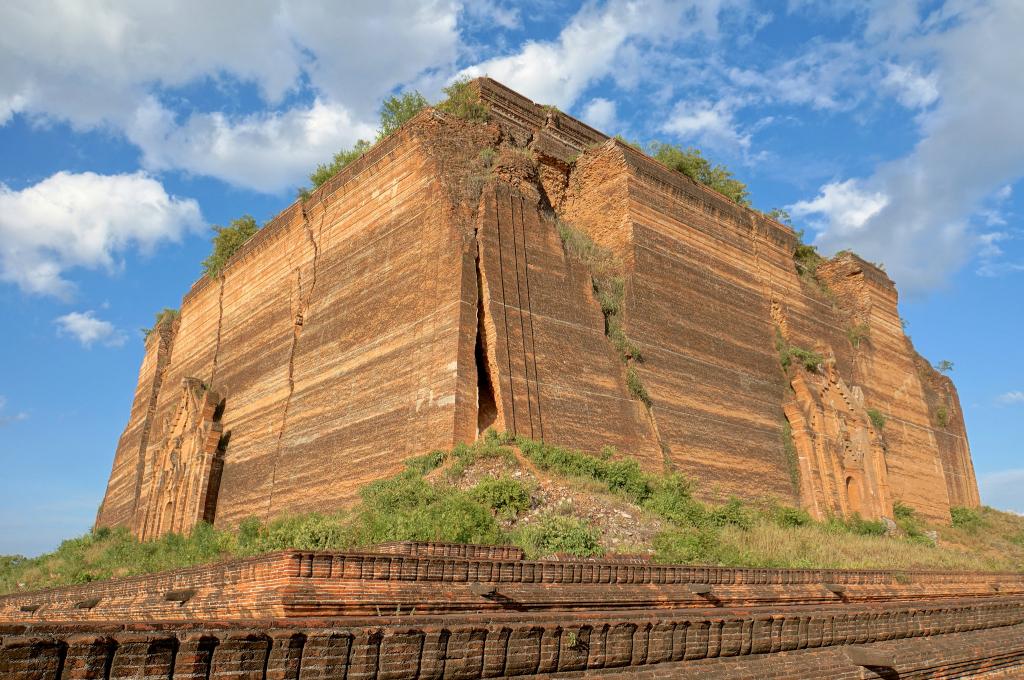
461 100
397 109
226 241
550 500
165 316
692 163
944 366
325 171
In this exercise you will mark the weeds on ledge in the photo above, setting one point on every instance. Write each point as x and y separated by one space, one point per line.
165 316
226 242
609 289
810 360
877 419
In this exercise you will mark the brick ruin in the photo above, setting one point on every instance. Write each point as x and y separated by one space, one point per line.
407 611
424 294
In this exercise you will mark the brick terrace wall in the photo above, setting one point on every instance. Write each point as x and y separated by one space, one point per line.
961 639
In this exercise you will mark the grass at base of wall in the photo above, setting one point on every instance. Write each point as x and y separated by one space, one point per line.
489 493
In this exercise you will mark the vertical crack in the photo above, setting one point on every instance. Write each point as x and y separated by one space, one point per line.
519 306
487 406
504 314
533 339
297 324
220 320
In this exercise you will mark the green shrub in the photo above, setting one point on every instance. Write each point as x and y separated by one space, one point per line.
507 497
341 159
692 163
877 419
967 519
942 416
226 241
165 316
396 110
811 361
791 517
623 477
903 511
944 366
671 497
734 513
807 259
636 387
463 101
782 216
554 534
792 458
426 463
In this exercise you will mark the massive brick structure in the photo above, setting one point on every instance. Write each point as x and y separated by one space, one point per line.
424 294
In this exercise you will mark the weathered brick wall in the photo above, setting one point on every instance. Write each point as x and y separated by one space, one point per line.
423 294
454 611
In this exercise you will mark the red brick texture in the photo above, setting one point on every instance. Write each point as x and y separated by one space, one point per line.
426 611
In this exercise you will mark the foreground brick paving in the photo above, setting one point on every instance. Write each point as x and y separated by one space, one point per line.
472 612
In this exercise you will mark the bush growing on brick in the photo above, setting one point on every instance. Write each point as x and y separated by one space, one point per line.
226 241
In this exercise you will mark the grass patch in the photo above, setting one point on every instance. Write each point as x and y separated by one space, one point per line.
433 500
942 416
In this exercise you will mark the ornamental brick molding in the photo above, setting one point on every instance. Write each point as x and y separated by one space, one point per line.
427 611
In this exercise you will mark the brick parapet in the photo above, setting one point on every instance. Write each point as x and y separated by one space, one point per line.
305 584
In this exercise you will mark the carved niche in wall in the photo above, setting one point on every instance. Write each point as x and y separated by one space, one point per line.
185 466
841 455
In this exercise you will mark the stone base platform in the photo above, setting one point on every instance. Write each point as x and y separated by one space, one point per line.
440 611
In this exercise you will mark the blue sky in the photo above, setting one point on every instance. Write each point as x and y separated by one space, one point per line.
127 130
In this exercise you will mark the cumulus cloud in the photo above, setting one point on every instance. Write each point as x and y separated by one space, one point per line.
911 89
116 65
601 113
1002 490
84 220
1013 397
265 151
972 146
88 330
559 71
9 418
712 124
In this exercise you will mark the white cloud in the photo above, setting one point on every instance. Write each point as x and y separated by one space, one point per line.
601 114
87 329
115 63
491 13
84 220
1014 397
1002 490
847 206
911 89
559 71
710 123
7 419
972 146
265 152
